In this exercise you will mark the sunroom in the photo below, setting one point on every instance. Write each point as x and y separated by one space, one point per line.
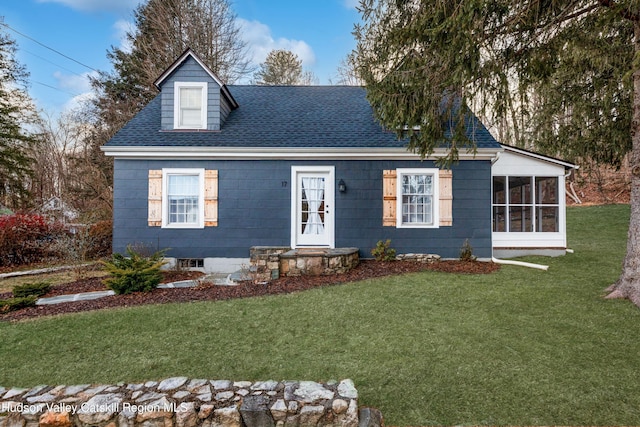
528 204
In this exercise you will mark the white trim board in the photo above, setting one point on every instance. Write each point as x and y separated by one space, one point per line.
256 153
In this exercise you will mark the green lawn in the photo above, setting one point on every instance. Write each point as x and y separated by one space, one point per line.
519 347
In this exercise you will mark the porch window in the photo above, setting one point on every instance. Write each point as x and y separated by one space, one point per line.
417 198
525 204
190 105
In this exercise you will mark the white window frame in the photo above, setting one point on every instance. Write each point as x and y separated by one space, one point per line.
176 110
435 203
199 172
534 205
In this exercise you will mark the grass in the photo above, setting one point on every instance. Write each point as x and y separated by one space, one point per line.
53 278
519 347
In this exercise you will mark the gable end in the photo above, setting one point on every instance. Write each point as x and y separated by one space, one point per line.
189 70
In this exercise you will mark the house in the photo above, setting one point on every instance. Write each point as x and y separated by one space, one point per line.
209 170
55 207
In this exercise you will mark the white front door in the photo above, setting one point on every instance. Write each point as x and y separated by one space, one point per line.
312 206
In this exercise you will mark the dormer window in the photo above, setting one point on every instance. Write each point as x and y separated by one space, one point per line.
190 105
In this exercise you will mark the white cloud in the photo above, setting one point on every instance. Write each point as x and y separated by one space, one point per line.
97 5
121 27
74 83
260 42
78 101
351 4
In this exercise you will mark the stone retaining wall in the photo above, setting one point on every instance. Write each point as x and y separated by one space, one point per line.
183 402
265 262
318 262
270 262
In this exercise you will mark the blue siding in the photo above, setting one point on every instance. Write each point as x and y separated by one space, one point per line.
254 208
191 72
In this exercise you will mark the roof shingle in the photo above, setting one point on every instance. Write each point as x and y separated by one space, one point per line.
283 117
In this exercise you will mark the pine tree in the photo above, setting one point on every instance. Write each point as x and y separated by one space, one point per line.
563 70
282 67
16 111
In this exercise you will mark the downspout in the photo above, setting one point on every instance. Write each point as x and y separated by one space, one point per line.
496 158
519 263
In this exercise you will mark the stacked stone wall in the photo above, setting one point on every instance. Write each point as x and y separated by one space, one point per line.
270 262
318 263
265 262
183 402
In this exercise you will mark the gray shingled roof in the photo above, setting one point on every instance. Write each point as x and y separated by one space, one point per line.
285 117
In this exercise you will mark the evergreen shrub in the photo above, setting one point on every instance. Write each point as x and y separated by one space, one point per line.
12 304
36 289
383 251
135 272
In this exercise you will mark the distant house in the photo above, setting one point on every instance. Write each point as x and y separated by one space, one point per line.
56 208
209 170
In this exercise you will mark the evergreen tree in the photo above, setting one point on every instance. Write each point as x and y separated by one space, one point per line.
566 67
16 112
282 67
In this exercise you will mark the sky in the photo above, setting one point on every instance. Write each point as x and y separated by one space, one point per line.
62 42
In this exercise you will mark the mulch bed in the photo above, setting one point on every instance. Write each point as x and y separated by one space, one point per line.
207 291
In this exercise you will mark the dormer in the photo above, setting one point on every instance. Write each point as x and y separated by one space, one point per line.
193 97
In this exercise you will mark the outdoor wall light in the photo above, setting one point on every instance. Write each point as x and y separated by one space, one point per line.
342 187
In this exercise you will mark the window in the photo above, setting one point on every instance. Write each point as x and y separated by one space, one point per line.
190 263
190 105
417 200
183 198
183 206
525 204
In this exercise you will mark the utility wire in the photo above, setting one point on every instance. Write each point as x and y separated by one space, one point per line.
55 88
47 47
51 62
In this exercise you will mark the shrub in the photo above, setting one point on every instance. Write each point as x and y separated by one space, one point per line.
28 289
101 236
466 252
134 273
13 304
383 251
27 238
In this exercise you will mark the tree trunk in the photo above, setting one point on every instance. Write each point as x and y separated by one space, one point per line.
628 285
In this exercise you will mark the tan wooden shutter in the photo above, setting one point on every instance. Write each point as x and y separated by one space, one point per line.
389 179
155 198
211 198
446 198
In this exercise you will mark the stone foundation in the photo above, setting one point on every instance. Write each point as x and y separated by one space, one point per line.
183 402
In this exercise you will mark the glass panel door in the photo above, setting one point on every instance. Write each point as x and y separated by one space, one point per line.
313 216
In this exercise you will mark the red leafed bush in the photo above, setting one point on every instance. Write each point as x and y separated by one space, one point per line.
27 238
101 235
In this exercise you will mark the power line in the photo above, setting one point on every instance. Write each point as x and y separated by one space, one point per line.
47 47
55 88
51 62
